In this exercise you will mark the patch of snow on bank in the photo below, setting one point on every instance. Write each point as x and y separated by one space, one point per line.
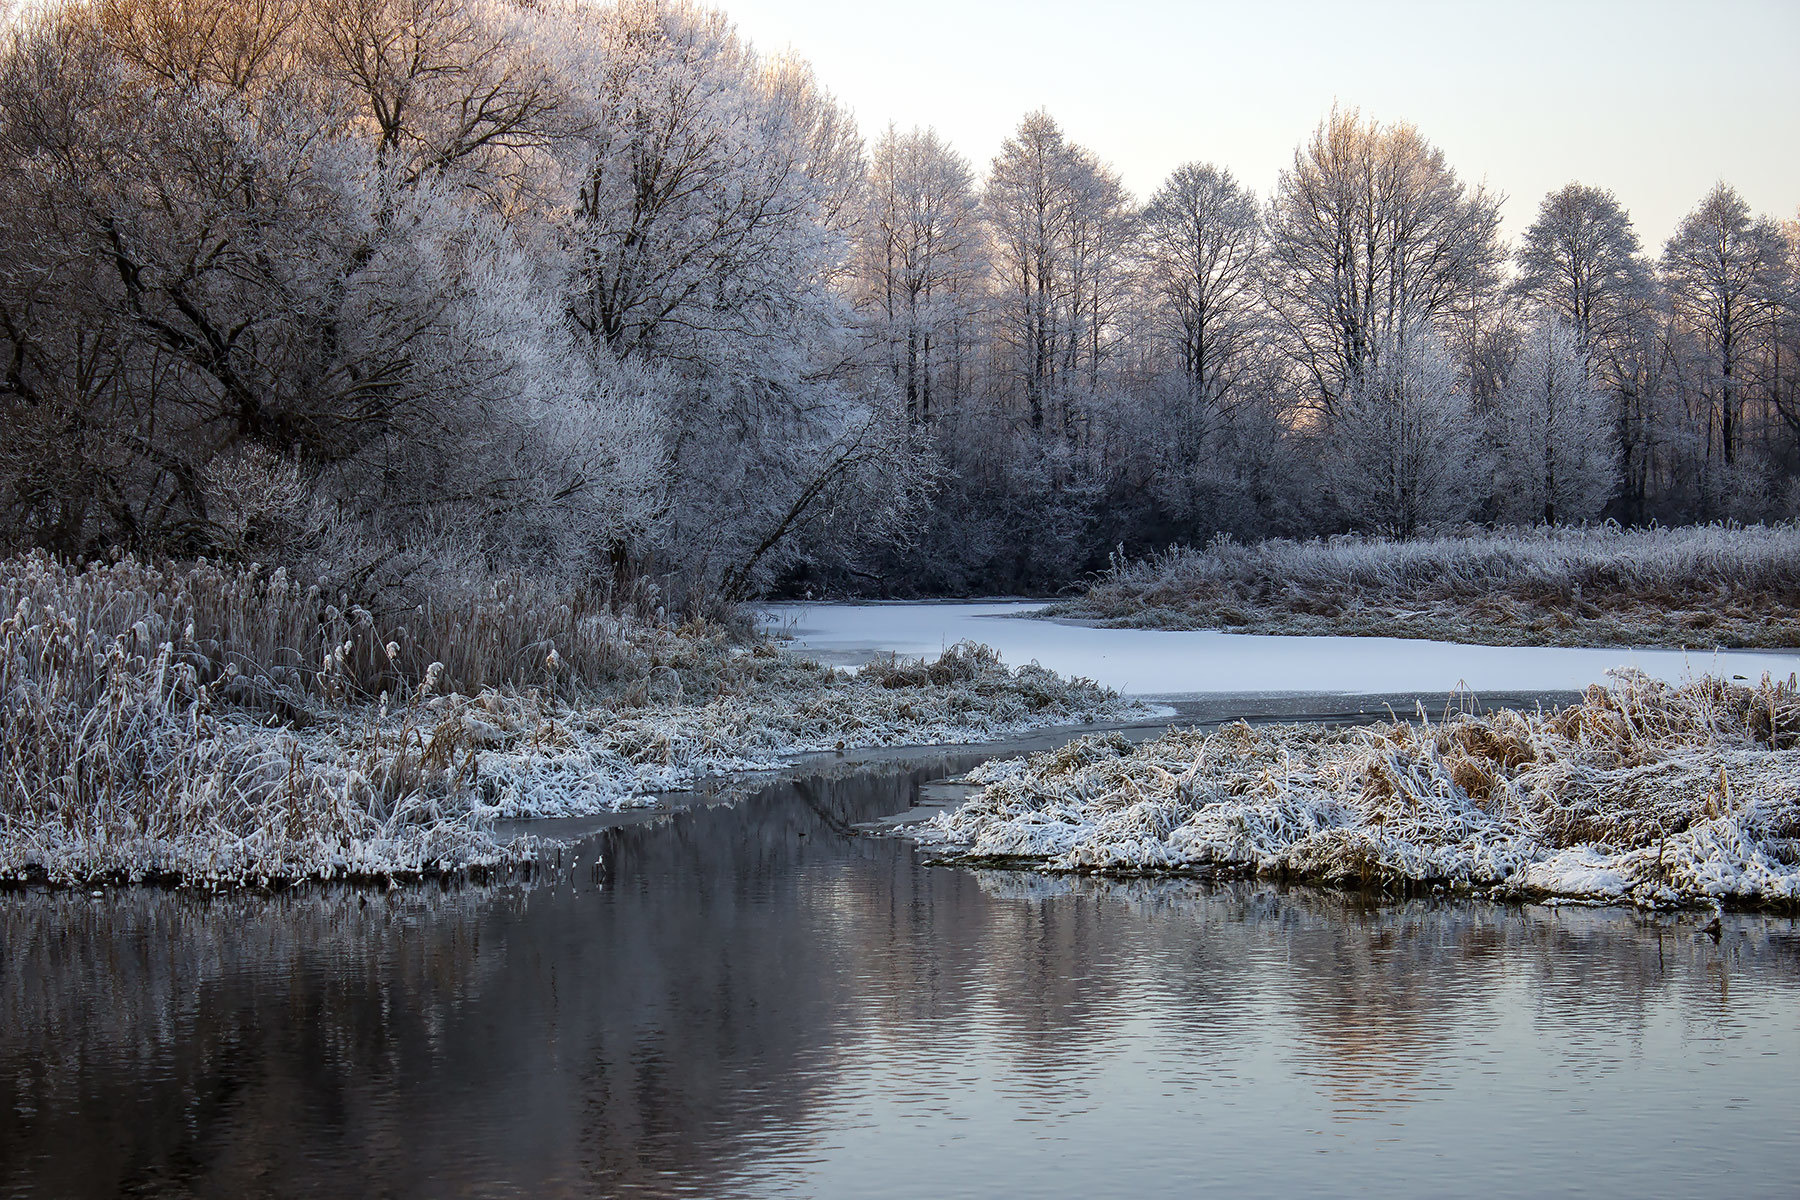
1155 662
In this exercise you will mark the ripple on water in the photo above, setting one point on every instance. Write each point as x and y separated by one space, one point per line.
742 1011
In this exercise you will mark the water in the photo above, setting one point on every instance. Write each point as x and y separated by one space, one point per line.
760 1000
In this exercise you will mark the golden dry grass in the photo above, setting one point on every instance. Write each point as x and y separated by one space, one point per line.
1640 793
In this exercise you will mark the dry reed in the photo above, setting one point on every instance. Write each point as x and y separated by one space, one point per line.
1712 585
1640 793
224 725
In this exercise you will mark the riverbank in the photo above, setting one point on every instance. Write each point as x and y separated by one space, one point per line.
1696 586
1641 793
209 726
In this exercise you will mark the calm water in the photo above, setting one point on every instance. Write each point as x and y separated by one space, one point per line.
757 1001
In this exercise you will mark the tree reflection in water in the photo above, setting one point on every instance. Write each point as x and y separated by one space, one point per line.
757 1000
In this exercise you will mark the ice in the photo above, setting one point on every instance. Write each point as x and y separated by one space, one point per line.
1155 662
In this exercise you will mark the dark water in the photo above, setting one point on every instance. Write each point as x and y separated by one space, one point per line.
759 1002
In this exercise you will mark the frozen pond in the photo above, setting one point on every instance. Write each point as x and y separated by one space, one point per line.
760 1001
1150 662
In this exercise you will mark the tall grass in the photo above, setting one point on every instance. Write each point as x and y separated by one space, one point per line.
122 752
1696 585
285 640
219 724
1641 792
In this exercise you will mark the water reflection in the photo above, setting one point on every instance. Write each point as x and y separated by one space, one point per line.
757 1001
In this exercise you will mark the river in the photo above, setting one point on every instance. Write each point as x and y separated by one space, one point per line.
769 997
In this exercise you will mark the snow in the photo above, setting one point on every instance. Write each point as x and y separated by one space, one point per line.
1156 662
1640 794
211 798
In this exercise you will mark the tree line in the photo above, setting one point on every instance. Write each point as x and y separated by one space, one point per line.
386 287
1361 350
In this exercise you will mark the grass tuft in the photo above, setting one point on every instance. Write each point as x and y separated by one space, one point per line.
1641 793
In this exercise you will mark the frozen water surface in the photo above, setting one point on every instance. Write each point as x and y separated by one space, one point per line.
1155 662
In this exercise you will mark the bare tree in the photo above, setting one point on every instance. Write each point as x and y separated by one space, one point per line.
1027 207
1060 224
1202 235
1557 455
919 266
1368 230
438 85
1581 259
235 45
1723 271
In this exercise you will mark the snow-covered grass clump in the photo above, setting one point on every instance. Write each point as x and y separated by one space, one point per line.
1709 585
218 725
1641 793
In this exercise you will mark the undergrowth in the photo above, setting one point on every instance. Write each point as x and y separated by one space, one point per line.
222 725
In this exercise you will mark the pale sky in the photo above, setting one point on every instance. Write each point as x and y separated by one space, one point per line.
1656 100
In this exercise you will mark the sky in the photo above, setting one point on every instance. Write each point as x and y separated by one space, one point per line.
1655 100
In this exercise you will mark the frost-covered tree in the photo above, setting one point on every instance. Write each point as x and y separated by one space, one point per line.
1201 234
1396 455
713 194
1059 224
1723 271
594 288
1581 259
1101 231
441 85
919 267
216 259
1783 369
1369 230
1556 452
695 219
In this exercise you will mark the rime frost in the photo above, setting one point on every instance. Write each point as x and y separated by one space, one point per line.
164 724
1641 793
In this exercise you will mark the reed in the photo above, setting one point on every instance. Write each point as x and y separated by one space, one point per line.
1708 585
222 725
1641 793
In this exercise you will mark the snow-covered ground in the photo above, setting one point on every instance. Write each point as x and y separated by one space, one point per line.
1155 662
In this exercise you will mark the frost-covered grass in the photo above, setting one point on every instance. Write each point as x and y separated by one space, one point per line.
215 725
1704 586
1641 793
